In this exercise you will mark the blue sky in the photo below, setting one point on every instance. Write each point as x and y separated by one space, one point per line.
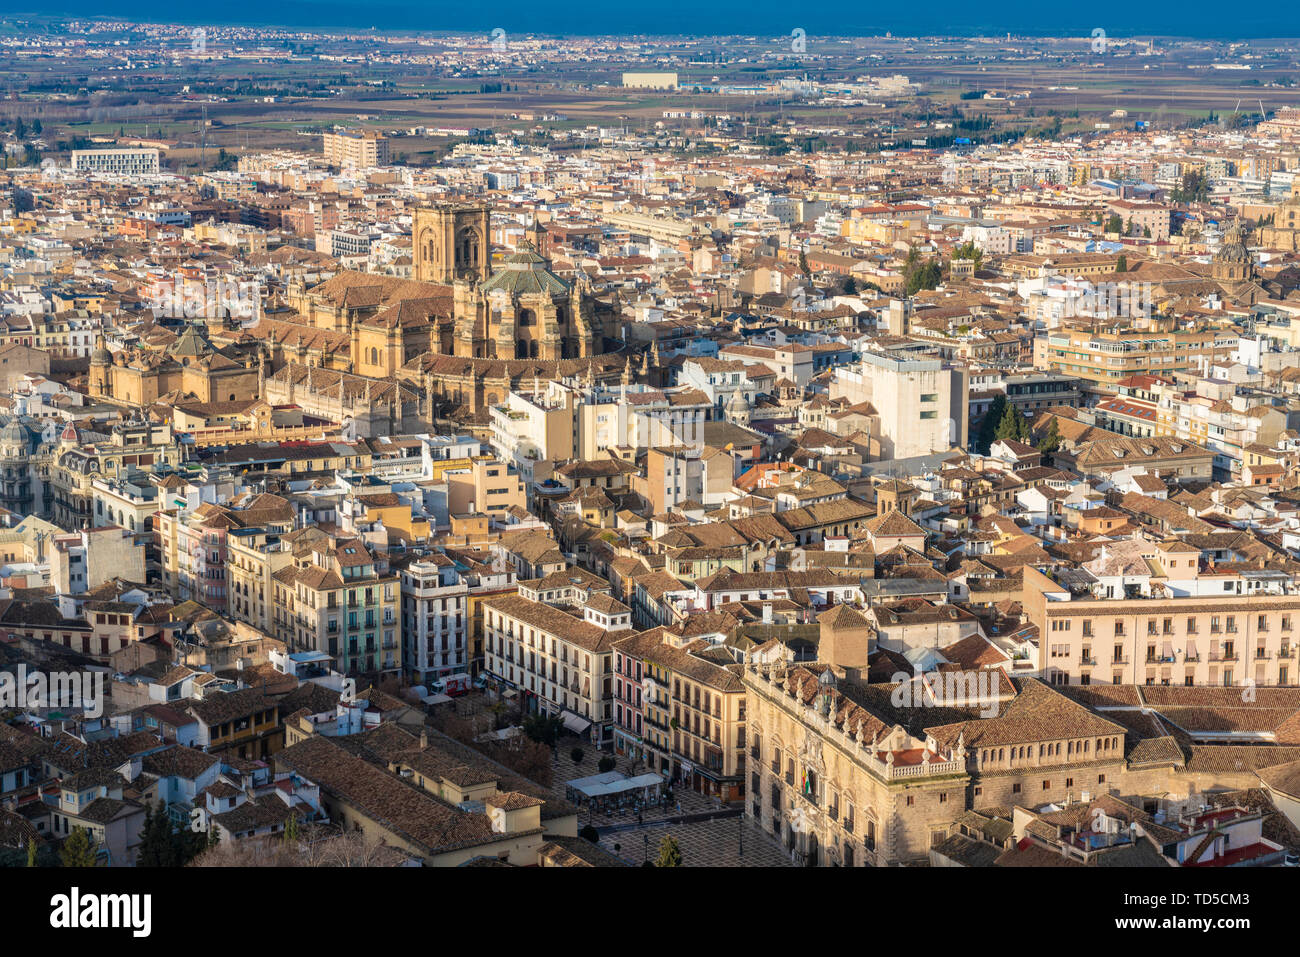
1163 17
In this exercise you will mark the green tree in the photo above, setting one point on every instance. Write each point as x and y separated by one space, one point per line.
989 424
1114 224
163 843
31 852
803 265
1012 425
1194 188
1121 265
969 250
927 276
291 830
543 728
1051 440
670 852
79 850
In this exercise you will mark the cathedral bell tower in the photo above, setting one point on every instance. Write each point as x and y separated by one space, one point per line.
453 242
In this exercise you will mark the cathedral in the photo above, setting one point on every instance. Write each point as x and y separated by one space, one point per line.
1284 231
460 331
191 366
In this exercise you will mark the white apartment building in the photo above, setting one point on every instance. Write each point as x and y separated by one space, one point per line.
559 658
922 403
121 162
435 619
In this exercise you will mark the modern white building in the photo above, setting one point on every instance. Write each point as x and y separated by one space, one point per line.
922 403
435 620
122 162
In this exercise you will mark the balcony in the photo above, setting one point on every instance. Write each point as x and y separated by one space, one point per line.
789 778
848 825
1087 660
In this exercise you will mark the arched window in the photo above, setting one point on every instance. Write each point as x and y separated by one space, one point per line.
527 318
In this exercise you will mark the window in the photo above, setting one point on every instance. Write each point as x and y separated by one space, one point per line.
929 414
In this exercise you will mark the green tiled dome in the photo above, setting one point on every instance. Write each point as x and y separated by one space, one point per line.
525 273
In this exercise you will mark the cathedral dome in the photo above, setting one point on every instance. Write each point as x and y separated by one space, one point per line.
14 438
1233 249
524 273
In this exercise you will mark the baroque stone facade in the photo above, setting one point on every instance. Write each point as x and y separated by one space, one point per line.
461 331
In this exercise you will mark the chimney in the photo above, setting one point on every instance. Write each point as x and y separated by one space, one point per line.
424 739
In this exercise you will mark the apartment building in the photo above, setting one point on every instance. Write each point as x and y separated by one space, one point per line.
922 403
336 597
82 561
486 486
553 643
355 149
679 705
672 476
1105 356
435 619
637 417
1245 635
1213 416
121 162
192 548
253 557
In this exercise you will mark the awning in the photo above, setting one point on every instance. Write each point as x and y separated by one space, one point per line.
576 724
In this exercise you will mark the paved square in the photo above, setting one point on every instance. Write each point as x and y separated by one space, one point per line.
713 843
